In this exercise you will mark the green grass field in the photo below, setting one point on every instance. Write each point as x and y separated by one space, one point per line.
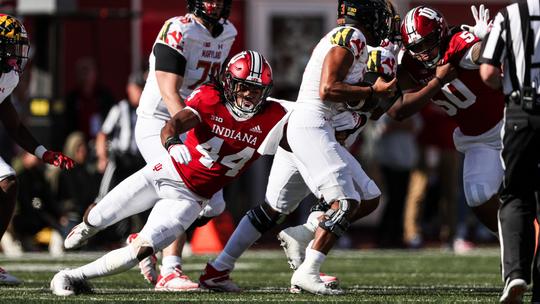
370 276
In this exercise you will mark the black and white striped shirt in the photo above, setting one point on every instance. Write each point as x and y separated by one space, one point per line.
505 45
119 126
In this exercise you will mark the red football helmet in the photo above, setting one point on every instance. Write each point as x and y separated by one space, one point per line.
423 29
247 71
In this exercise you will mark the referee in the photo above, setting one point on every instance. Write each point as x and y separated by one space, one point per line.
513 44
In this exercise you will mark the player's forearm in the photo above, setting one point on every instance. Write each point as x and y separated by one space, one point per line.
413 102
15 128
182 122
24 138
173 102
340 92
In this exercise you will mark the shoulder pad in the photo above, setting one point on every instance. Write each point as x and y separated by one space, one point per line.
173 30
458 45
349 38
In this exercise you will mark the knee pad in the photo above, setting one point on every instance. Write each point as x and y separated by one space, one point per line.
199 222
478 193
264 218
335 220
320 206
141 247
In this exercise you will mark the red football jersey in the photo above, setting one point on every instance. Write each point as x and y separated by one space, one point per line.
475 107
222 147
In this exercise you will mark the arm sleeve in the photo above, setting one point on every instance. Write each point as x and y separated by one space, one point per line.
169 60
494 45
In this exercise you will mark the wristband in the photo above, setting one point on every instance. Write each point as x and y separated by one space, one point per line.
172 140
40 150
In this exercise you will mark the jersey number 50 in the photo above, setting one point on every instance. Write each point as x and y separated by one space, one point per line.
458 96
210 155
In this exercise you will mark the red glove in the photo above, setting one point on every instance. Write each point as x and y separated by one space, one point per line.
58 159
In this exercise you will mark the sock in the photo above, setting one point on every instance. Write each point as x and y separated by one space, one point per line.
243 237
313 260
313 221
116 261
168 263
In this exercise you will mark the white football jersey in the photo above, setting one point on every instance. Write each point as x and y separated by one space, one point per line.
344 36
204 56
8 82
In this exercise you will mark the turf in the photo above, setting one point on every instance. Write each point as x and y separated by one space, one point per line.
371 276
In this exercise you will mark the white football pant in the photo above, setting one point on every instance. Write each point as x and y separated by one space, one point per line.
156 186
482 168
5 170
312 140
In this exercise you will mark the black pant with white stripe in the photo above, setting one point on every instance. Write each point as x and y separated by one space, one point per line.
520 195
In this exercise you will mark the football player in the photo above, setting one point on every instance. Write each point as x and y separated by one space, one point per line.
295 239
228 125
287 189
188 51
440 65
13 57
329 84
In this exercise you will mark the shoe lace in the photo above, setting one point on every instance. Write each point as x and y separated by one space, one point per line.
180 274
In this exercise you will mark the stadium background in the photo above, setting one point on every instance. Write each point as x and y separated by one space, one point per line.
118 36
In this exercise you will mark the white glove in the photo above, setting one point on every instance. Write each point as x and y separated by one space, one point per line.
180 153
347 120
483 25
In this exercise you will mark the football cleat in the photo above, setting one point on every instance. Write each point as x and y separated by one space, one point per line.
294 241
64 285
328 280
8 279
513 291
175 281
79 235
311 282
216 280
148 265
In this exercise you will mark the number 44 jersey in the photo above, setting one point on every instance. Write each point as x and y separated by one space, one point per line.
204 55
475 107
221 146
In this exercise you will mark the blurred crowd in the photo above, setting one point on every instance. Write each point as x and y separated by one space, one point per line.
414 162
96 131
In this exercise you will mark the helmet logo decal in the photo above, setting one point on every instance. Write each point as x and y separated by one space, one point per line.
255 70
429 13
411 27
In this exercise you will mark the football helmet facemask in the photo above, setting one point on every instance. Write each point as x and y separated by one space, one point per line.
373 15
14 44
247 82
423 30
211 11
